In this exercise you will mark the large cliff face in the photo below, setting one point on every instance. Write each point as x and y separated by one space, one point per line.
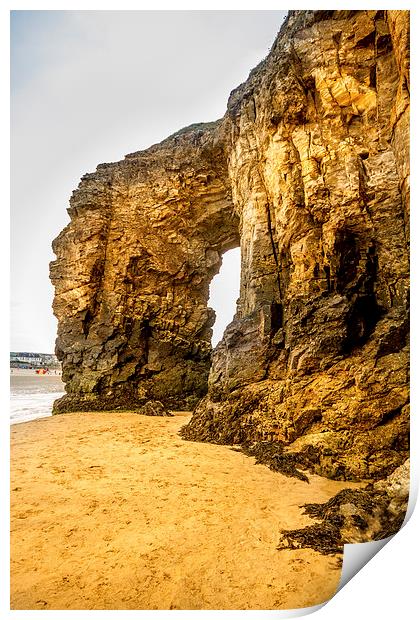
308 170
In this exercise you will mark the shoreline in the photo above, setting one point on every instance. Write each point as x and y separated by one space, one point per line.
115 511
31 372
32 396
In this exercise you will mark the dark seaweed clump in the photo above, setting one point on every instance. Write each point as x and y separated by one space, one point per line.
272 455
360 498
373 518
322 537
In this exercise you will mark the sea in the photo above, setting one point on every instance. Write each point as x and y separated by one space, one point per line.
32 395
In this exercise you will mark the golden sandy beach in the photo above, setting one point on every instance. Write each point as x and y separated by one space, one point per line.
116 511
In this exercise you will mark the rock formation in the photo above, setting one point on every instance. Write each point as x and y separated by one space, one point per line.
308 172
133 271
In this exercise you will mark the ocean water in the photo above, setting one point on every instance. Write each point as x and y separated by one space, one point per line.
32 395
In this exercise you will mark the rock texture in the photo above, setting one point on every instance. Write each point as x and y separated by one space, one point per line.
309 172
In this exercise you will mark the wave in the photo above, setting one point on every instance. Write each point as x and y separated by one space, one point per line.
30 406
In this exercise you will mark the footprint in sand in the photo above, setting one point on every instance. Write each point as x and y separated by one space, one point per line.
28 513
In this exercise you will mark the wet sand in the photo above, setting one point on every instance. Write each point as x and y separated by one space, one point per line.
116 511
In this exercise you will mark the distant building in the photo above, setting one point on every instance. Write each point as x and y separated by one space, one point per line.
24 359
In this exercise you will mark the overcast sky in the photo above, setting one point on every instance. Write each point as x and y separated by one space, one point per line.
89 87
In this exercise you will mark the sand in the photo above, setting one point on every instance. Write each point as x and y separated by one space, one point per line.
116 511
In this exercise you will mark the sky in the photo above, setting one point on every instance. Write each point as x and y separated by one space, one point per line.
91 86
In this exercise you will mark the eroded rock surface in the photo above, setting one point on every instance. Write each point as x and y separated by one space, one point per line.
309 172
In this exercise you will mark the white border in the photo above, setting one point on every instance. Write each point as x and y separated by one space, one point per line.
387 586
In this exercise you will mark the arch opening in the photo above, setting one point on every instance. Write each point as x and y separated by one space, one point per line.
224 292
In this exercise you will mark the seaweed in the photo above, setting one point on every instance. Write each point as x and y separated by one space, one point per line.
272 454
373 518
322 537
361 498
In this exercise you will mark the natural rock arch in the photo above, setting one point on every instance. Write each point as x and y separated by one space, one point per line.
133 271
309 171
